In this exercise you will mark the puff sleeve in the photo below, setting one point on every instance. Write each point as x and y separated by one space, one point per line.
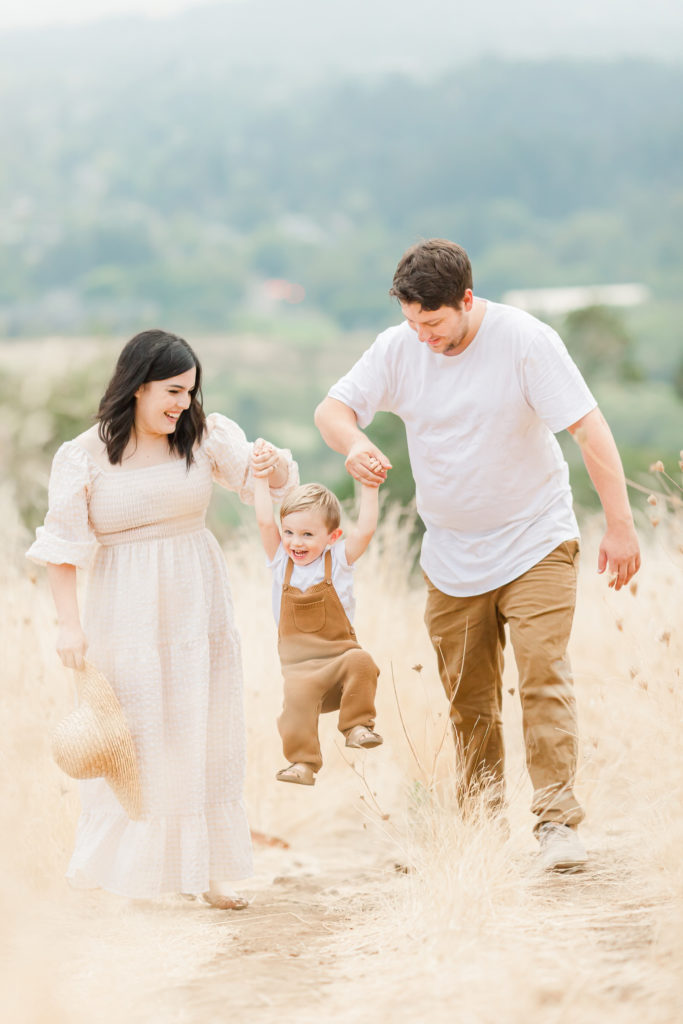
230 455
66 538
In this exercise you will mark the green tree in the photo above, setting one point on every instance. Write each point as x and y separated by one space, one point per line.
600 344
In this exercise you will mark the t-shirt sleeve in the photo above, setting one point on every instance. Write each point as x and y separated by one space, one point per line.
552 383
366 387
339 556
340 566
277 561
66 538
278 567
230 455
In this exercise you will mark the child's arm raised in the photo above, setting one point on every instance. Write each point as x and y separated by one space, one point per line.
361 534
263 503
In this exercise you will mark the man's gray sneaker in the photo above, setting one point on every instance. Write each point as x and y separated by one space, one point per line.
561 848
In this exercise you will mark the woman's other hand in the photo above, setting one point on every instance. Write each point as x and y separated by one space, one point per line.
71 646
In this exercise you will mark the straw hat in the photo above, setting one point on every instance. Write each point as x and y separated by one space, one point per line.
94 741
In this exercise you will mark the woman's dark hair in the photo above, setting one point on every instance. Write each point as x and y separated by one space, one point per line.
433 273
150 355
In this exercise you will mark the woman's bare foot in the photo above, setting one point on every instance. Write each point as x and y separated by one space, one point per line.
223 898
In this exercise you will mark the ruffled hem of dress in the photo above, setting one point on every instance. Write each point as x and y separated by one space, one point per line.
57 551
156 856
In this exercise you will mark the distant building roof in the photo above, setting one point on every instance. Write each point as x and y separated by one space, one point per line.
564 300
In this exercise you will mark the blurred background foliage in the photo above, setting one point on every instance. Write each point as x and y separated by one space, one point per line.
167 197
228 179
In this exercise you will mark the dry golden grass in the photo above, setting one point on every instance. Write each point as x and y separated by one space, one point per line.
466 930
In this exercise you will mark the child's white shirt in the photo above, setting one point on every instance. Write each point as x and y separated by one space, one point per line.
305 576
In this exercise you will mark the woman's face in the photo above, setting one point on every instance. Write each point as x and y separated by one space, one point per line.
159 404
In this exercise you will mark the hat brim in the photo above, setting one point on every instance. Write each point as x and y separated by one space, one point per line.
95 741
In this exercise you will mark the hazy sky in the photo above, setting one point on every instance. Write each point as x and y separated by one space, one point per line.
29 13
525 28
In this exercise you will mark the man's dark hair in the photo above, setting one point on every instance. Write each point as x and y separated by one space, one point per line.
150 355
433 273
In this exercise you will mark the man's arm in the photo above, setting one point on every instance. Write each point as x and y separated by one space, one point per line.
619 548
339 428
361 534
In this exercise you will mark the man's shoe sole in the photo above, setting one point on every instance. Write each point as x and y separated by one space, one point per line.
566 866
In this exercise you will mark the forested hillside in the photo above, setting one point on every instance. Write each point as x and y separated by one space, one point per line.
203 175
138 189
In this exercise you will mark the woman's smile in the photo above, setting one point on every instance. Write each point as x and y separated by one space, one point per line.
152 415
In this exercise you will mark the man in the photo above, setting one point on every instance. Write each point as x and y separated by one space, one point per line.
482 388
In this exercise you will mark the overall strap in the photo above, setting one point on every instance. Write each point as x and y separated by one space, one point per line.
328 566
288 572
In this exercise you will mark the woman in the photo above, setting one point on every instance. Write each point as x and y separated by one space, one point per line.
131 493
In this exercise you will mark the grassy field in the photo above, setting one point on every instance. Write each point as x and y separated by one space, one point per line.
372 899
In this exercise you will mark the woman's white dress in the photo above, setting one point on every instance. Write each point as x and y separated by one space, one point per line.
160 625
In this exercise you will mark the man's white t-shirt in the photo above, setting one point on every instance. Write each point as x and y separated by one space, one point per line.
492 485
305 576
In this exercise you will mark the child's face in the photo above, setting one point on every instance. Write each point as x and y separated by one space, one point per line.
305 536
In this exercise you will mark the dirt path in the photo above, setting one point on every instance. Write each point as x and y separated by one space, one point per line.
282 946
179 961
321 941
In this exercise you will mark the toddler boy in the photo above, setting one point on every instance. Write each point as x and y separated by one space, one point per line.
323 665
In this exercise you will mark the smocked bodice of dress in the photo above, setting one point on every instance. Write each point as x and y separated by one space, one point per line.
162 501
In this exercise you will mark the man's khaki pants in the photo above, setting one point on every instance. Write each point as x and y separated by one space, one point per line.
468 636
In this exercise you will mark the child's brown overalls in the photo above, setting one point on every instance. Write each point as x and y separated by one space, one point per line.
323 665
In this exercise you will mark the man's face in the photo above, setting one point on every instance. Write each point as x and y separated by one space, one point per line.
446 330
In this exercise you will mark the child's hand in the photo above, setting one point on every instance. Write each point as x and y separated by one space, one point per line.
376 466
264 459
366 463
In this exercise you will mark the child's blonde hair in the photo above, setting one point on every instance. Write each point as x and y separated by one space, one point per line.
313 498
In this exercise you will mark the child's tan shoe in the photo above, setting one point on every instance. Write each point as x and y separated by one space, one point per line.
361 736
300 773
